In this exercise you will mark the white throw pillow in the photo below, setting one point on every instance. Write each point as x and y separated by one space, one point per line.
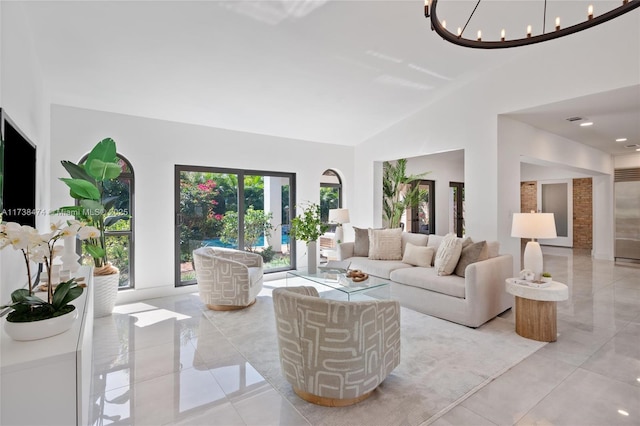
434 241
385 244
448 254
418 255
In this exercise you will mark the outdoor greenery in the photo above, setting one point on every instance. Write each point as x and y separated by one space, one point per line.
209 211
329 199
257 224
118 254
397 193
200 200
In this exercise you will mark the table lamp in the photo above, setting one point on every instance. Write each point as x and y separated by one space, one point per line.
339 216
533 225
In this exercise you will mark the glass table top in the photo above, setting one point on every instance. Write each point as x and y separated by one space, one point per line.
339 281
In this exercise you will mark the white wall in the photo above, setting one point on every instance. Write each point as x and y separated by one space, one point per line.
154 147
627 161
467 119
25 100
534 172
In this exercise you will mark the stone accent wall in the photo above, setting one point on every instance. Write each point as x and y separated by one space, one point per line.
528 196
583 213
582 209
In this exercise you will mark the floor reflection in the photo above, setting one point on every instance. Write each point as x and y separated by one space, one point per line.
165 364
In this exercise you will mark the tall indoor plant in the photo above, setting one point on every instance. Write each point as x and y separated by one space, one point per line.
94 206
398 195
308 227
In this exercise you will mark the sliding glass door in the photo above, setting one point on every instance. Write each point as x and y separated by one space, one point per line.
245 210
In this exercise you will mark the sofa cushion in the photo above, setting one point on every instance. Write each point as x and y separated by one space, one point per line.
361 242
415 239
434 241
448 254
470 254
385 244
466 242
418 255
428 279
378 268
493 249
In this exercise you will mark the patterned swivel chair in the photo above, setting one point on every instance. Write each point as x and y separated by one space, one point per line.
335 353
227 279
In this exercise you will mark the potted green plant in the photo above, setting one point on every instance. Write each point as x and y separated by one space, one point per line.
308 227
546 277
398 195
94 206
28 312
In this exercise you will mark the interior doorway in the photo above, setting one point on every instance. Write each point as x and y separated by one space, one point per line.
456 208
556 196
423 217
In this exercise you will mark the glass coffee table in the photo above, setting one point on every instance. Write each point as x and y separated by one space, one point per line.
325 281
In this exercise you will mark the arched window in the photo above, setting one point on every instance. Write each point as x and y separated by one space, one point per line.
330 193
120 236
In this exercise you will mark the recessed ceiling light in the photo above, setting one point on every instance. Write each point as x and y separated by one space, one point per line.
621 140
586 123
623 412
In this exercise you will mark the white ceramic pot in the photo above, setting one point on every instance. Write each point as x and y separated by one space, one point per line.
40 329
105 291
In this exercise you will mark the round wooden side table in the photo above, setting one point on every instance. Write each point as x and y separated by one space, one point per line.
536 310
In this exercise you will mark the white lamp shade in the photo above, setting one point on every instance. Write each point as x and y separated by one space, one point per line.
339 216
533 225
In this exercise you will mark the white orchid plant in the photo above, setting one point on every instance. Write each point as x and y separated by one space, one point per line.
41 248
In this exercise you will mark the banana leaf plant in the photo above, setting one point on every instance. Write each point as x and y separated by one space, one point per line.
93 205
398 194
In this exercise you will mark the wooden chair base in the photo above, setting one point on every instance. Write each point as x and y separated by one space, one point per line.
330 402
229 307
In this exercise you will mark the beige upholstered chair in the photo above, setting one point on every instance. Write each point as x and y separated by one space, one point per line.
335 353
227 279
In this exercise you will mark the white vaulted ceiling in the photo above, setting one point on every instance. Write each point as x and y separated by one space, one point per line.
326 71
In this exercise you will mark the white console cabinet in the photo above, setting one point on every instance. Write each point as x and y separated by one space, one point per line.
47 381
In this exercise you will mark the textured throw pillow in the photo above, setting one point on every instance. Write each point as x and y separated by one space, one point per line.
448 254
361 244
471 254
385 244
418 255
466 242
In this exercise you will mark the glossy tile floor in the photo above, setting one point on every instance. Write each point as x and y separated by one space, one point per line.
149 371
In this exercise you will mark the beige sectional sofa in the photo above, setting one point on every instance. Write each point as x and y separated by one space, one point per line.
472 299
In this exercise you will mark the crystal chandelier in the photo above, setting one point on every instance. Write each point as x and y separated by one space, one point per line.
528 37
